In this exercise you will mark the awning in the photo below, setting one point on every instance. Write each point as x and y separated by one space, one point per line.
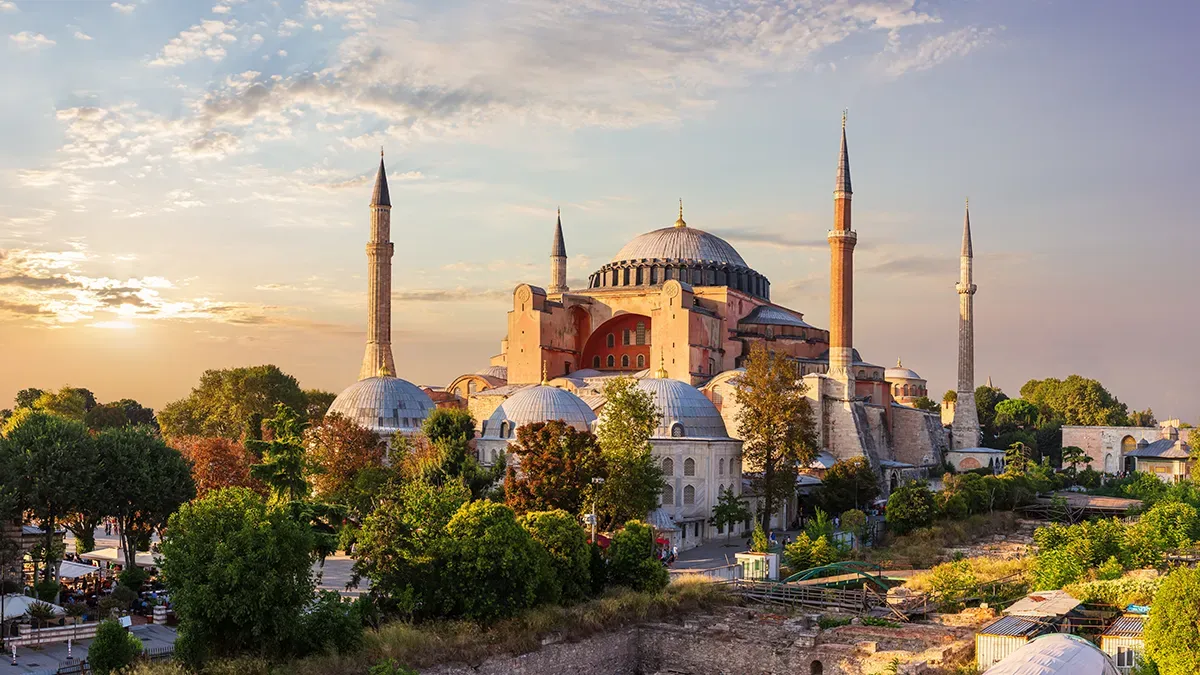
74 570
661 542
111 555
16 606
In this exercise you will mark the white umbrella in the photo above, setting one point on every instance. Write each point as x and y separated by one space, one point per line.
17 605
74 570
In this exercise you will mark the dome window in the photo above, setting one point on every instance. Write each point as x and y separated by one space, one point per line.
689 495
689 467
677 431
504 430
668 467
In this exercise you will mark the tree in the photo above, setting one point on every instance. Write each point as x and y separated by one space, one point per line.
217 463
113 648
449 424
26 397
560 534
225 402
136 413
1142 418
125 412
1076 400
1073 455
400 540
1173 629
729 511
758 540
145 482
634 479
848 484
54 464
1017 412
909 507
854 521
631 559
316 404
950 396
239 573
777 427
927 404
491 566
69 402
823 552
798 554
449 459
1016 459
338 450
557 466
284 465
986 399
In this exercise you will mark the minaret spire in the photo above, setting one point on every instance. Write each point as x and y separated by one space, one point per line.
558 260
680 222
377 361
965 428
842 240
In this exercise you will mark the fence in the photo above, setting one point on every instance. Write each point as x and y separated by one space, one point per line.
44 636
731 572
859 601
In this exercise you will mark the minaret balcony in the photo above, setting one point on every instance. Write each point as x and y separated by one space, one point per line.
964 289
843 235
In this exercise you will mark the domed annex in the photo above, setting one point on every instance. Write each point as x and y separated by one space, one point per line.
384 405
541 403
684 253
906 385
684 411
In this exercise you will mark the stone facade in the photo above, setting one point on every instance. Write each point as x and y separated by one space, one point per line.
377 361
917 436
1108 446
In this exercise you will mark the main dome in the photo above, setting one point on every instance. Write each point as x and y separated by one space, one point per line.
384 405
685 244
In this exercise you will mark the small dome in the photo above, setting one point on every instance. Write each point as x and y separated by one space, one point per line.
685 412
900 373
498 372
680 243
539 404
384 405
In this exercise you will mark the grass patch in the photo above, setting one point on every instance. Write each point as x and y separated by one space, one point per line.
984 568
423 645
827 622
876 621
927 546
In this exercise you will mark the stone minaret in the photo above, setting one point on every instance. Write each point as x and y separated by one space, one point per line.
841 274
558 260
377 362
966 417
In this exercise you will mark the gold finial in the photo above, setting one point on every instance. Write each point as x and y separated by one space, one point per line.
544 373
680 222
661 373
898 364
383 371
968 203
844 111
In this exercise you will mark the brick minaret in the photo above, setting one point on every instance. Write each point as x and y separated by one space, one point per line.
378 359
966 417
558 260
841 274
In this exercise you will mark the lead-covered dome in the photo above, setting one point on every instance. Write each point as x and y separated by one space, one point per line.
683 253
384 405
538 404
684 412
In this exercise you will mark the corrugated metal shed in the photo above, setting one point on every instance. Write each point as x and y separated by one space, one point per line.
1004 636
1011 626
1126 626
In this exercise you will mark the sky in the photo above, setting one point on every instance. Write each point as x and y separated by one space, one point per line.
184 185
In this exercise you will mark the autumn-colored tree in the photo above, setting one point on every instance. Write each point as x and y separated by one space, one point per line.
777 427
217 463
556 466
338 450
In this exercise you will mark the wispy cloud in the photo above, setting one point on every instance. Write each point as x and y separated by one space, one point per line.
459 294
80 35
935 49
6 6
774 239
27 41
124 9
205 39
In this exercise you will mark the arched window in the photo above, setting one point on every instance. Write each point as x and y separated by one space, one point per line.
712 366
595 361
668 495
624 360
862 374
689 467
641 332
1128 445
689 494
668 467
734 467
721 467
625 337
677 431
641 361
493 456
504 429
612 341
612 362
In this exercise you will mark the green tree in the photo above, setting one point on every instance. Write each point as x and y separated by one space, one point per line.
284 468
560 534
26 397
848 484
1074 455
136 413
53 461
400 540
1173 629
1016 459
631 560
798 554
729 511
1017 412
557 465
239 573
777 427
449 424
69 402
1076 400
927 404
855 522
986 399
823 552
951 583
758 540
950 396
113 648
491 565
316 404
1057 568
909 507
1142 418
225 402
634 479
145 481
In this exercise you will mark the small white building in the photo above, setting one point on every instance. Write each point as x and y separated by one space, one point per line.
1124 642
968 459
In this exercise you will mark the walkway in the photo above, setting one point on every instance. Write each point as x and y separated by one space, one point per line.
47 659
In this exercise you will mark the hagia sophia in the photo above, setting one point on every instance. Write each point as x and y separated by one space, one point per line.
678 309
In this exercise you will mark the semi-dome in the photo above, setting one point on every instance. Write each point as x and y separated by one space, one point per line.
384 405
684 411
538 404
680 243
498 372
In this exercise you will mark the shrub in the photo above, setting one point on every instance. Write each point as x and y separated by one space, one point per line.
1110 570
798 554
46 591
1173 629
1118 592
820 525
631 560
953 582
910 507
120 600
133 578
876 621
1057 568
560 534
758 541
113 648
823 553
827 622
331 626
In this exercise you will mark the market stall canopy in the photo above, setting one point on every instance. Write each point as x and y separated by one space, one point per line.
16 605
74 570
111 555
